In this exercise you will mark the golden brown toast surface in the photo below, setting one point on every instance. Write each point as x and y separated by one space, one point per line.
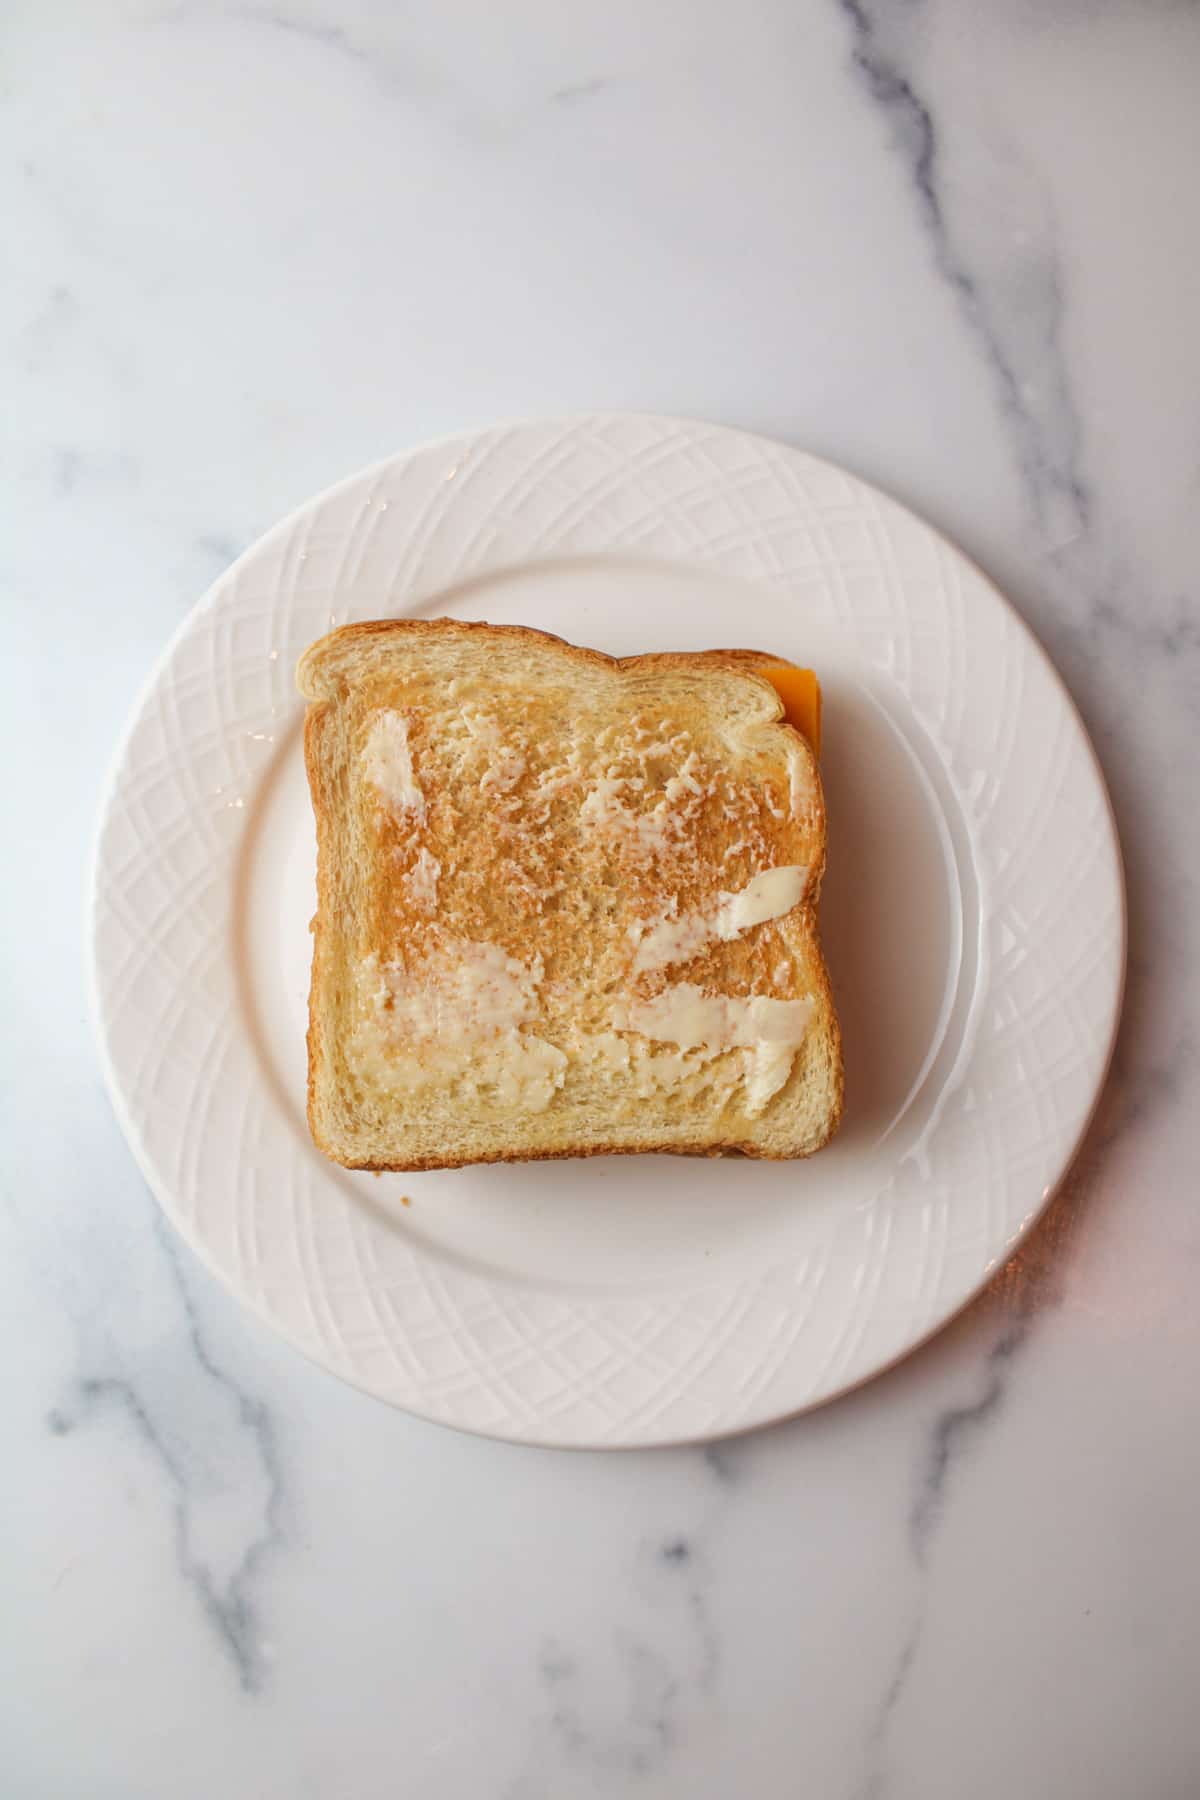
566 904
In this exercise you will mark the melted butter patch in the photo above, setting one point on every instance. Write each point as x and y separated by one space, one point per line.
388 764
601 805
606 1050
603 809
612 803
458 1023
422 881
673 940
505 772
769 896
772 1030
466 990
457 1019
648 1070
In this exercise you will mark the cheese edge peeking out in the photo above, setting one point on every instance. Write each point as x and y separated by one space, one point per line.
800 692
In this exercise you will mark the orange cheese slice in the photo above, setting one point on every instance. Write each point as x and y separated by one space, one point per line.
800 692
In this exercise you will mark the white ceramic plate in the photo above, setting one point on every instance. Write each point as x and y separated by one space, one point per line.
972 915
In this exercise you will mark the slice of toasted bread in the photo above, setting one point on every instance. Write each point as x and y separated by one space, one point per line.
567 904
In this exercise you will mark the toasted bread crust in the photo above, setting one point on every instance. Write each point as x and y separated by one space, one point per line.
329 675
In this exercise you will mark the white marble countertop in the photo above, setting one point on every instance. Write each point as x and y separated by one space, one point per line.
253 247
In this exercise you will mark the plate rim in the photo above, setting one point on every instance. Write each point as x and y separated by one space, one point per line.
108 795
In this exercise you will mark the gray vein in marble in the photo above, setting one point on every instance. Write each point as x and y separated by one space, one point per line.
874 1781
388 70
1021 339
949 1438
392 67
574 91
1142 1084
72 469
221 549
646 1733
1139 1088
620 1709
1174 637
65 471
399 72
40 337
953 1430
326 37
680 1566
224 1584
229 1612
724 1459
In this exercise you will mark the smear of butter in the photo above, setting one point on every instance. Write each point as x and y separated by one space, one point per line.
504 773
603 808
601 805
422 881
464 992
771 1030
673 940
388 764
456 1018
770 895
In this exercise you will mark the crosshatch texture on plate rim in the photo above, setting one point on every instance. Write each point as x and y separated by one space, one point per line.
258 1203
